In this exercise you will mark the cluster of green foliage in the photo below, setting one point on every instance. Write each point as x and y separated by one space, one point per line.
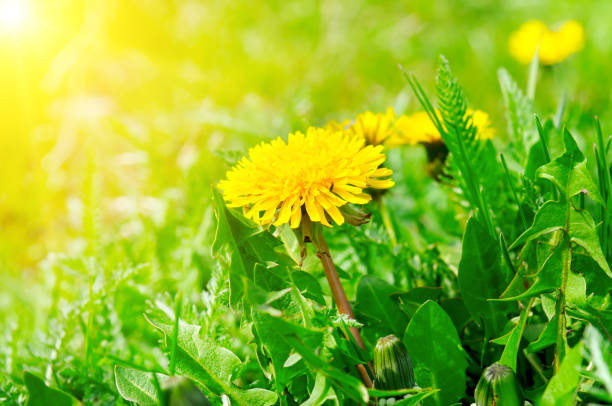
224 312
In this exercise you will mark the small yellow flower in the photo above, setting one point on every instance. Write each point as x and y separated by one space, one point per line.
314 174
333 125
482 122
553 46
418 128
375 128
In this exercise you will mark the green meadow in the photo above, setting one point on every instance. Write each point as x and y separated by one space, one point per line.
130 274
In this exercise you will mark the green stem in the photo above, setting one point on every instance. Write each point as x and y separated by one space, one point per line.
560 110
386 218
532 77
535 363
90 318
605 182
158 391
175 330
561 342
473 187
514 194
543 140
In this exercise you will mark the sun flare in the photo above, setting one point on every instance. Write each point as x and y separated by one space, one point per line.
13 15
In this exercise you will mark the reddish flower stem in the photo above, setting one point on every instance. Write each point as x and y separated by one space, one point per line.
340 298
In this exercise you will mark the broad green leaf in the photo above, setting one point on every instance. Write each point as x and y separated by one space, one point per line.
598 284
308 286
225 235
39 394
597 350
419 294
413 298
547 337
561 389
270 278
481 278
584 233
181 391
274 277
136 386
247 245
535 159
303 342
569 171
511 350
575 290
550 275
455 308
437 356
550 217
375 304
279 350
321 393
211 366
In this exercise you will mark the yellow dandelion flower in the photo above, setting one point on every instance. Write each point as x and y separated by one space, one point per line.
333 125
553 46
417 128
375 128
311 174
482 122
524 42
571 36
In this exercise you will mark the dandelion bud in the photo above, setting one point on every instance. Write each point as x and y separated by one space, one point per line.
392 365
498 386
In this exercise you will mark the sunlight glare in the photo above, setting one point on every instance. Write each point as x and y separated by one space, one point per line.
13 15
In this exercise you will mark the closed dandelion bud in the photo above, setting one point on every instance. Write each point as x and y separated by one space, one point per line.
392 365
498 387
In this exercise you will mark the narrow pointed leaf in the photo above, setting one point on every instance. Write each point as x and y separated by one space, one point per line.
550 275
550 217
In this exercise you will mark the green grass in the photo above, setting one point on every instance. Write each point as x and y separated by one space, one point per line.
120 266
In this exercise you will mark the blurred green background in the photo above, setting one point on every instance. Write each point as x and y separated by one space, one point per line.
118 116
115 112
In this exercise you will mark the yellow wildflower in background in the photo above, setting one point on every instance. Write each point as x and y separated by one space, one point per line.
417 128
333 125
318 172
482 122
375 128
554 45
